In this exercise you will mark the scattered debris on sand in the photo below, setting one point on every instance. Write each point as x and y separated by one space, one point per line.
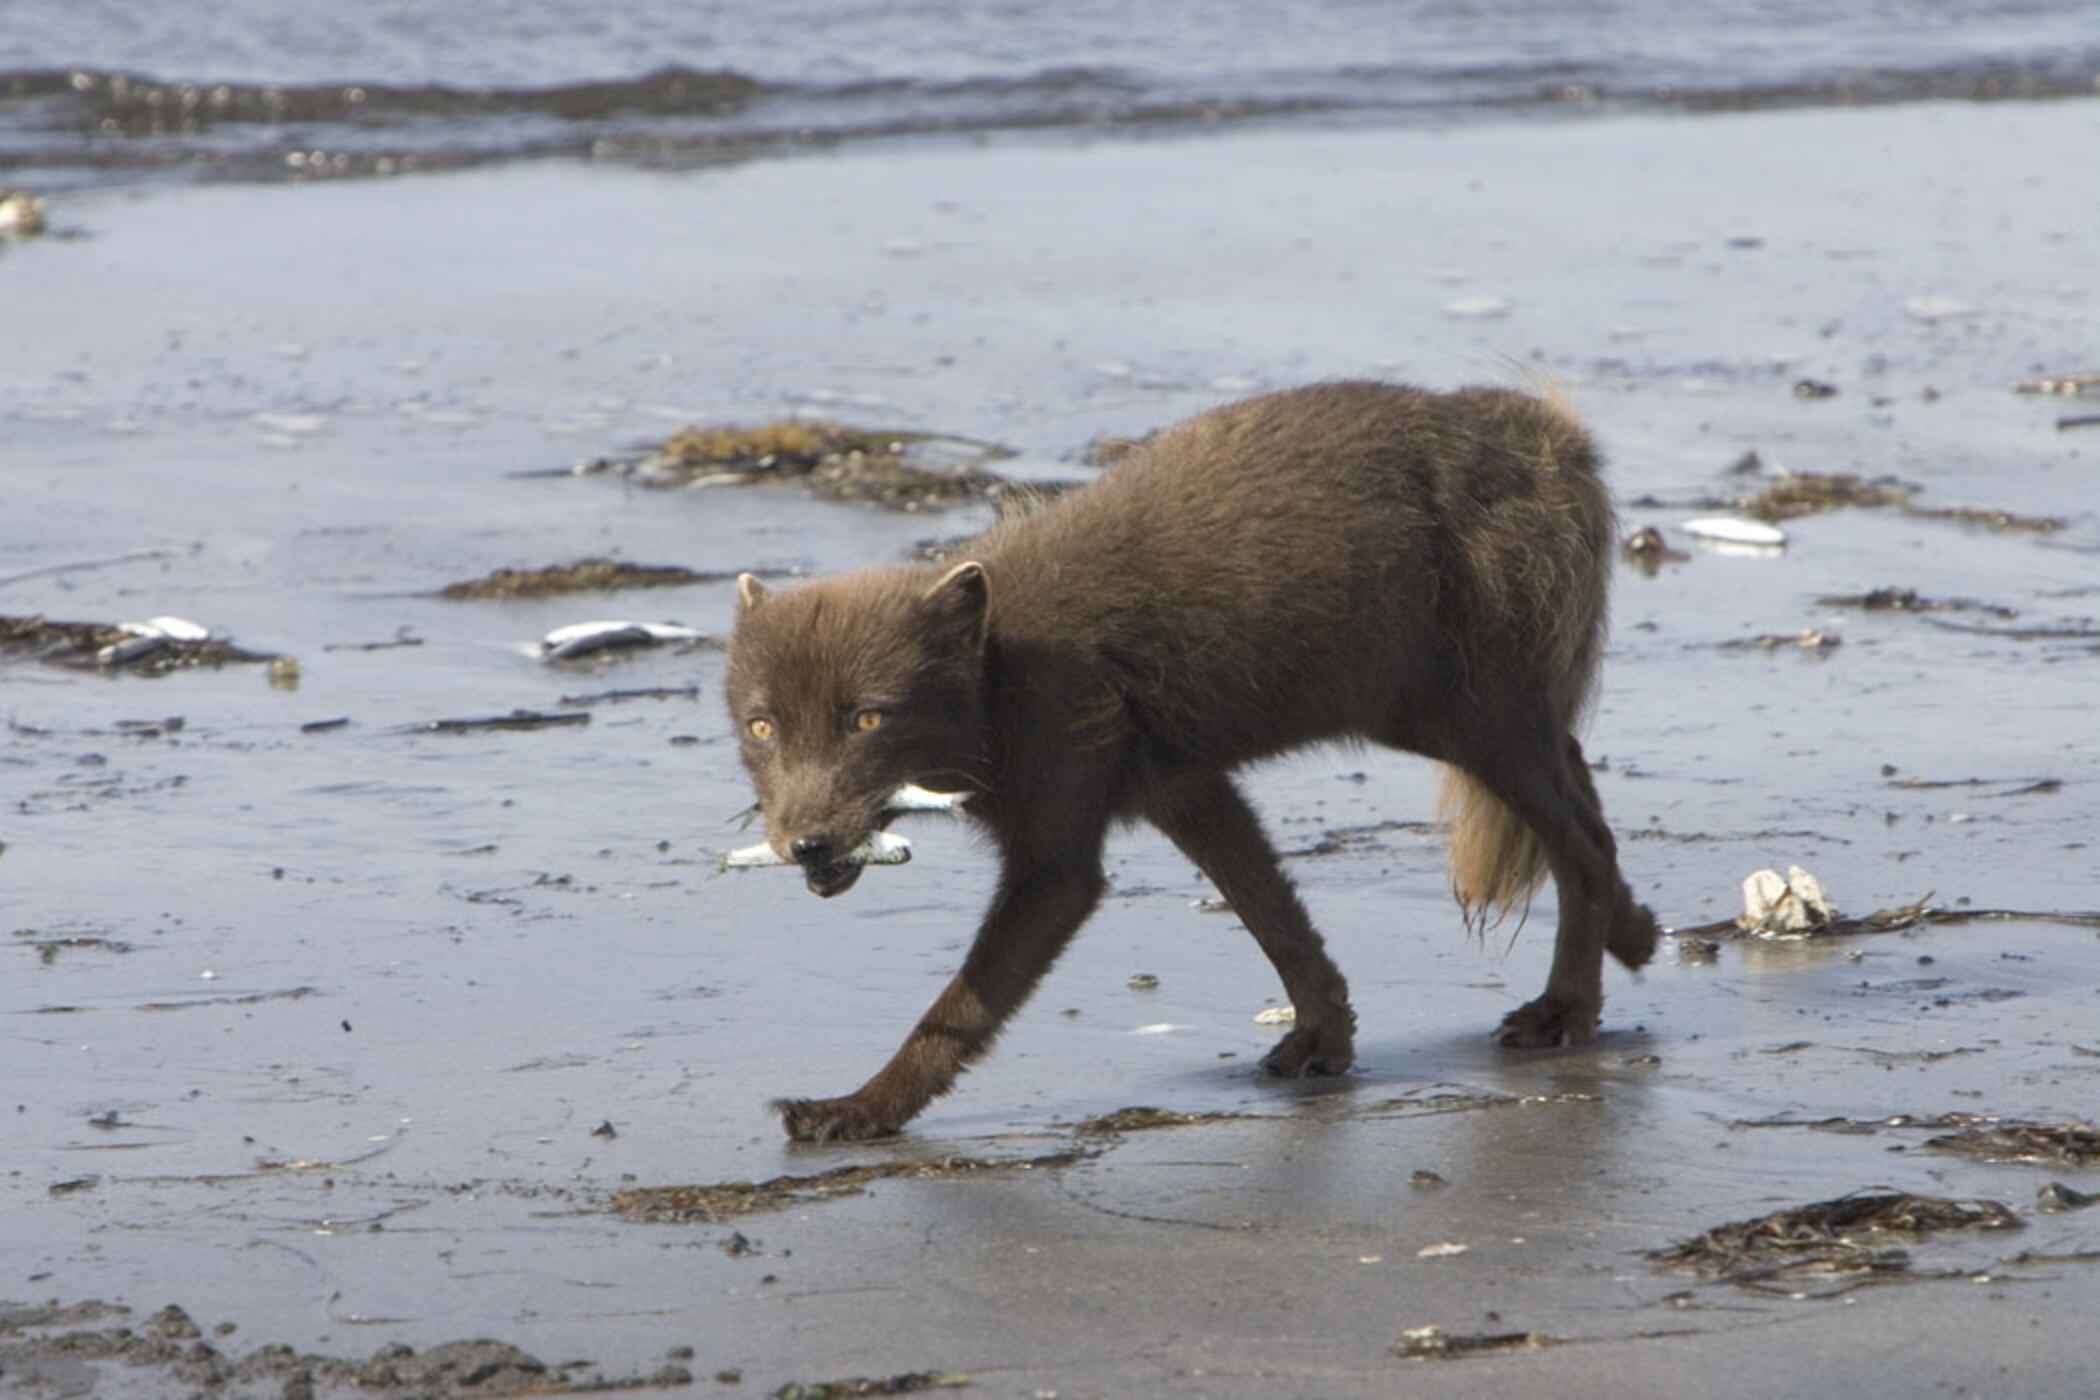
516 719
1793 495
2072 633
2012 787
1810 641
910 1383
1920 914
1341 840
1815 389
1648 551
1796 494
2053 1144
644 692
2056 1198
729 1200
154 647
1847 1238
1435 1344
47 1346
1988 518
1909 600
581 576
900 470
2068 385
1138 1119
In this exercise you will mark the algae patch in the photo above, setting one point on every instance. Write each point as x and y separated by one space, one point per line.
904 470
2050 1144
710 1204
581 576
1854 1239
1140 1118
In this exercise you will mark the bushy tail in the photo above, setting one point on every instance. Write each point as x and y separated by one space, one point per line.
1550 606
1497 863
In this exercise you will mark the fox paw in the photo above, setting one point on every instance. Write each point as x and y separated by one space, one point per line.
1310 1050
832 1120
1547 1022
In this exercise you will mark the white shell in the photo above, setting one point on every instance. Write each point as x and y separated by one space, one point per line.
1276 1016
1793 907
1731 529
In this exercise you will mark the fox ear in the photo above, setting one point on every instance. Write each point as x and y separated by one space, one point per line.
960 598
749 591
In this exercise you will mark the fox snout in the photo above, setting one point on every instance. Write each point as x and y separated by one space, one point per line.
820 837
826 867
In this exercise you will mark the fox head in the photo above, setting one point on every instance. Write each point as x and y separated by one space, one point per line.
843 691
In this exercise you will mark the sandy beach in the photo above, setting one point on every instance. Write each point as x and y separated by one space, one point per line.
353 1037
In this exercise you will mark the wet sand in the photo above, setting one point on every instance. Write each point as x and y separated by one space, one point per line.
310 1032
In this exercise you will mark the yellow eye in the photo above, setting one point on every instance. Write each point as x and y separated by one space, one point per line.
761 730
867 720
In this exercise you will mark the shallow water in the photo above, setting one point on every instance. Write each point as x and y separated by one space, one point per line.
264 90
460 954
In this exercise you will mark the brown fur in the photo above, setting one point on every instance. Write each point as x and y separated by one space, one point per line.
1350 560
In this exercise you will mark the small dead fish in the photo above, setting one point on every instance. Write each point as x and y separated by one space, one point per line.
143 639
175 629
883 848
136 647
583 638
913 798
1731 529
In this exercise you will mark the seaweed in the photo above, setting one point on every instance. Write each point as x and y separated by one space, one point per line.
1847 1238
715 1202
1812 493
579 576
1139 1119
895 469
2054 1144
1909 600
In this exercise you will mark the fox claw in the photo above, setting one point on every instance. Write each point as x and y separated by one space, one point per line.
831 1120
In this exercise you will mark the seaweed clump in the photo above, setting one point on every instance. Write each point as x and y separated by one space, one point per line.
709 1204
582 576
2069 1144
1812 493
1848 1236
897 470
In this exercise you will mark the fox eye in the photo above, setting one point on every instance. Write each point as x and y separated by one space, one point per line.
761 729
867 720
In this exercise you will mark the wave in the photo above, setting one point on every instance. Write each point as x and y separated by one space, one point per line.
86 119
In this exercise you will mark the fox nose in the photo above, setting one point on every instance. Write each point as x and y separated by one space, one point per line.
811 850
